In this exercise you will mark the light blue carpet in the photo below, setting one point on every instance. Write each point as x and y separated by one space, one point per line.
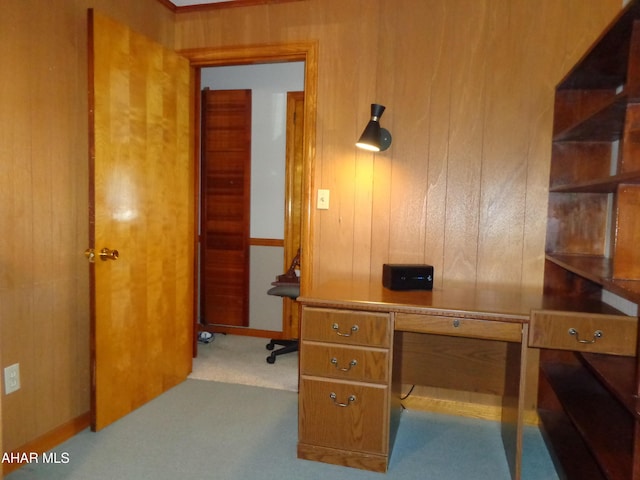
211 430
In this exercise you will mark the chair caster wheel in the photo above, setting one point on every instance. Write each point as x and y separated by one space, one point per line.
271 359
270 346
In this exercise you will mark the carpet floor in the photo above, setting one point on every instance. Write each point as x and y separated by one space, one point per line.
228 431
242 360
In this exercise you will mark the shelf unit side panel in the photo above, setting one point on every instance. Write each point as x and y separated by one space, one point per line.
626 258
630 157
632 83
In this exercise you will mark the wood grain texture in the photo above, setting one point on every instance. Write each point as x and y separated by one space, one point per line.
225 207
626 259
294 203
459 327
468 87
346 363
143 207
359 427
551 330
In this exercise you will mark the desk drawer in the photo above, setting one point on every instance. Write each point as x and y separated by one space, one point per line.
346 326
584 332
349 363
343 415
459 327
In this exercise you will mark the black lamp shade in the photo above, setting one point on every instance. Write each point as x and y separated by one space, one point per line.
370 138
375 138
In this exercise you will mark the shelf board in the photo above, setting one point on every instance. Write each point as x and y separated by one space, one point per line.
592 267
601 185
601 420
605 125
617 373
568 447
599 270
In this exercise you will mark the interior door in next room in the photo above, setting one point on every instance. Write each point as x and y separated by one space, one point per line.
226 207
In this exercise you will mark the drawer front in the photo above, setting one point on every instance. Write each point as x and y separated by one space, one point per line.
346 362
584 332
346 326
342 415
460 327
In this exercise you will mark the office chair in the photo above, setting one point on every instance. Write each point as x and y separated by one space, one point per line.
287 285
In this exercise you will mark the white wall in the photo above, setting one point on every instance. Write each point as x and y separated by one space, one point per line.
269 84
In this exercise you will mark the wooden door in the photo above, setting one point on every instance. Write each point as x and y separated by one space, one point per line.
225 208
142 205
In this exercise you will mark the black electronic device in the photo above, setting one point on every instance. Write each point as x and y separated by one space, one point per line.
407 277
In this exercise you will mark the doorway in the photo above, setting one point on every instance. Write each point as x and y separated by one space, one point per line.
305 53
244 230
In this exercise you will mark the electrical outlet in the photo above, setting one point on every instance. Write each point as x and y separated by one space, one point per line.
11 378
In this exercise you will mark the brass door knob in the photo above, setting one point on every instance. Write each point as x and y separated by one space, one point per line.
106 254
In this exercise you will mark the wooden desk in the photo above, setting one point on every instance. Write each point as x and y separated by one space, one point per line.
353 362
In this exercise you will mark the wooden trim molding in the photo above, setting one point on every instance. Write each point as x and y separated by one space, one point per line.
266 242
244 331
49 440
285 52
167 3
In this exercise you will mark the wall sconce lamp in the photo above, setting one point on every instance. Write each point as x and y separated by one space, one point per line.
375 138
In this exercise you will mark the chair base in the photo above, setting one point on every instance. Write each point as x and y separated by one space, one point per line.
288 346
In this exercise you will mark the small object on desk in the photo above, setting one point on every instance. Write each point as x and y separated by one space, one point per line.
407 277
289 277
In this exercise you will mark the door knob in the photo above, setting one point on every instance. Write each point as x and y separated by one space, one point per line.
106 254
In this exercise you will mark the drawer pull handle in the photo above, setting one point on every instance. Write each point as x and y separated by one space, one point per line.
336 327
596 335
456 323
351 399
352 363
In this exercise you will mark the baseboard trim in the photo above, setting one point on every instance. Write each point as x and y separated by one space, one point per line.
245 331
48 441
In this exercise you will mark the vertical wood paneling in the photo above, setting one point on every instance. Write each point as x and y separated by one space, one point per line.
467 85
506 123
44 307
441 65
407 198
348 174
471 48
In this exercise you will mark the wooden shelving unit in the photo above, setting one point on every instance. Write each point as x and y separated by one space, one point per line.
588 401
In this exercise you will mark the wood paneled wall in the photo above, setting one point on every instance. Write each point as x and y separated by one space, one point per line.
44 277
468 86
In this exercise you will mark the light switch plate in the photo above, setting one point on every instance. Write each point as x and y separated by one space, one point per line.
323 199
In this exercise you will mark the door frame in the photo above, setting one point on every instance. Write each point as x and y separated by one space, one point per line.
306 52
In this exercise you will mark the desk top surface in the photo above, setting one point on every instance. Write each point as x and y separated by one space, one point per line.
466 300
